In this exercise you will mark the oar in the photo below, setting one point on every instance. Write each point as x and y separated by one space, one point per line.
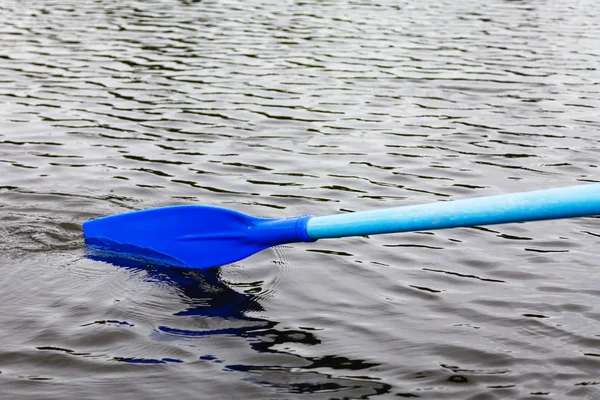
203 236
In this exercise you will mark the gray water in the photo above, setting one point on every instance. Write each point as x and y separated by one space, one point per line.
286 108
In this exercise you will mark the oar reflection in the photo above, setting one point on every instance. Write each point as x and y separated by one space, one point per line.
223 312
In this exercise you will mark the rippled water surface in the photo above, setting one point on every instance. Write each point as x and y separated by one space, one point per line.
282 108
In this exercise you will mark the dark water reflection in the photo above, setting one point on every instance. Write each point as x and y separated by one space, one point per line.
305 107
208 298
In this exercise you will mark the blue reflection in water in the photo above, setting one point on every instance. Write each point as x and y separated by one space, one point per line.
208 296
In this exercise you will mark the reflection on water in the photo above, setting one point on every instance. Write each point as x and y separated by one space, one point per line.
207 297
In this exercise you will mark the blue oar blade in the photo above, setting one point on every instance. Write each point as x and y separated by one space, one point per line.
188 236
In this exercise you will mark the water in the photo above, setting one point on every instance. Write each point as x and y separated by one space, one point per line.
286 108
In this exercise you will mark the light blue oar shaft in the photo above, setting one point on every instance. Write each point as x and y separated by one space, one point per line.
567 202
